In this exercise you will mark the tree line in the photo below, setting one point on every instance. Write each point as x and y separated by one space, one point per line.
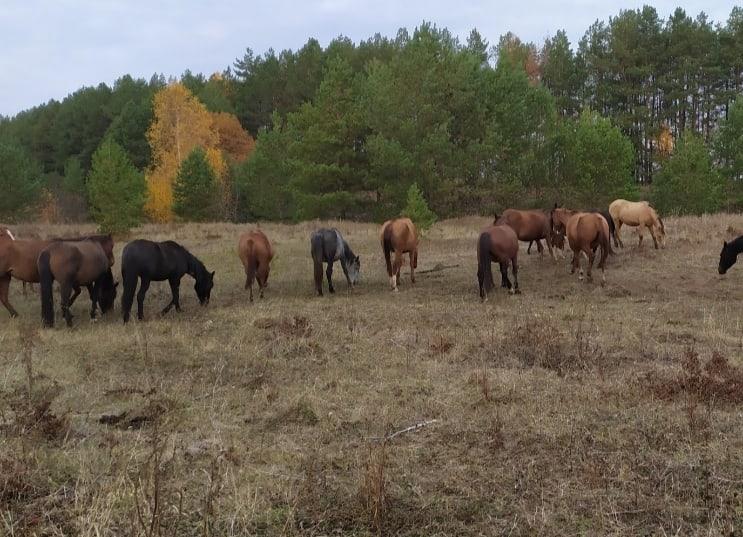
641 106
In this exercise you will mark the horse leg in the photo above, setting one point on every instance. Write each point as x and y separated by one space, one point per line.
262 279
652 234
76 293
591 256
617 234
143 286
540 248
412 266
505 282
528 248
127 298
329 274
65 292
4 286
24 289
249 286
397 267
175 284
93 292
515 271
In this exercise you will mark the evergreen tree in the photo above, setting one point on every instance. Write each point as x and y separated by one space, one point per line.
116 189
19 182
195 192
74 177
729 142
688 183
417 209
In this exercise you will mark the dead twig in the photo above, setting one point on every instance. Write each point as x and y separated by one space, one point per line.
402 431
437 268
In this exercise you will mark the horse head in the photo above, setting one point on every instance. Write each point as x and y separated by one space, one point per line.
728 257
353 266
204 285
107 292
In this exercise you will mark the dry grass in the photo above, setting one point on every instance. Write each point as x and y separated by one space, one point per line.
570 409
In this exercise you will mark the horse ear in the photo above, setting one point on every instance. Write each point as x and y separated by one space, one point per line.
116 285
214 271
555 207
724 243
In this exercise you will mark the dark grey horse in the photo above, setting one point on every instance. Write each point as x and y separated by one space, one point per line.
329 246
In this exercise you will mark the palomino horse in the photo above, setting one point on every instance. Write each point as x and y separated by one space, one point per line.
585 233
637 214
255 252
75 264
18 260
500 244
329 246
399 235
729 254
529 226
159 261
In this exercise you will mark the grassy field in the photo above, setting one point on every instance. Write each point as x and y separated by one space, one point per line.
571 409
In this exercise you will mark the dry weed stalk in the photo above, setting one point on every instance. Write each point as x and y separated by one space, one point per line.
373 488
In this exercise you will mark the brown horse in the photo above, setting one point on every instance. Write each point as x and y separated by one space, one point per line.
500 244
255 252
18 260
637 214
585 233
529 226
6 234
399 235
74 264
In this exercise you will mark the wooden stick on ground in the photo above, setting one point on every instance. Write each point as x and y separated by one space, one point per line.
402 431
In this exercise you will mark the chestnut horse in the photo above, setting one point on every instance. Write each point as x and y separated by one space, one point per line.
18 260
497 243
74 264
529 226
399 235
637 214
585 233
255 252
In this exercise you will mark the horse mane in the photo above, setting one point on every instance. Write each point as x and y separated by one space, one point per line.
95 237
195 265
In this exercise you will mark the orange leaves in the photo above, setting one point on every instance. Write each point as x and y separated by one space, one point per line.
665 141
233 139
182 123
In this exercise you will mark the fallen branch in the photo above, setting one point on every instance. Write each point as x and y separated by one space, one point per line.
437 268
402 431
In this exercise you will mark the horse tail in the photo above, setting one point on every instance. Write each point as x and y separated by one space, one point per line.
387 247
605 242
46 279
316 249
252 267
484 270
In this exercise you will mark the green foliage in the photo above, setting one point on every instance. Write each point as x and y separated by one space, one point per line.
19 182
74 177
729 142
595 162
116 189
195 192
688 183
417 209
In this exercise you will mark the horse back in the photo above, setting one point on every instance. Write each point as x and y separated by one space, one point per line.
401 234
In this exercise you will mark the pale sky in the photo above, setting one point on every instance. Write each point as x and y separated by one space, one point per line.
50 48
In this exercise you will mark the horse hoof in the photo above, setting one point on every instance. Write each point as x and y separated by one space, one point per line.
395 290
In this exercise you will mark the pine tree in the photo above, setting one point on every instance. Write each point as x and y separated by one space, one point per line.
195 192
116 189
417 209
729 142
688 183
19 182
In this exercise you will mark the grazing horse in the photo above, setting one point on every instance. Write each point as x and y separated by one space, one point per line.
500 244
399 235
329 246
18 260
637 214
6 234
529 226
160 261
74 264
558 240
585 233
255 252
729 254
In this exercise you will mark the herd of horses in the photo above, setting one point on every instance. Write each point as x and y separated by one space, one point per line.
87 261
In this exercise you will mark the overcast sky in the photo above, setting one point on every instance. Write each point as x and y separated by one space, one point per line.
50 48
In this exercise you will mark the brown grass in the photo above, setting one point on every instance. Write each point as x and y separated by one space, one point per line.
572 409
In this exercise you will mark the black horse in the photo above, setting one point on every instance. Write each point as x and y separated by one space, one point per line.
329 246
609 220
160 261
729 254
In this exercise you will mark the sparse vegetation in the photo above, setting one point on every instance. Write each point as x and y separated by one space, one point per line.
570 409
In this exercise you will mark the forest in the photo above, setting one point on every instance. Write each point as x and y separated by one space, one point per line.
643 106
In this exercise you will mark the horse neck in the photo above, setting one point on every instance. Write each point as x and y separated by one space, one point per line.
195 267
737 245
347 256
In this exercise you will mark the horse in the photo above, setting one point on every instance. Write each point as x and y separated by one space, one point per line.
529 226
6 234
637 214
497 243
558 240
399 235
18 260
329 246
729 254
255 252
159 261
585 233
74 264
